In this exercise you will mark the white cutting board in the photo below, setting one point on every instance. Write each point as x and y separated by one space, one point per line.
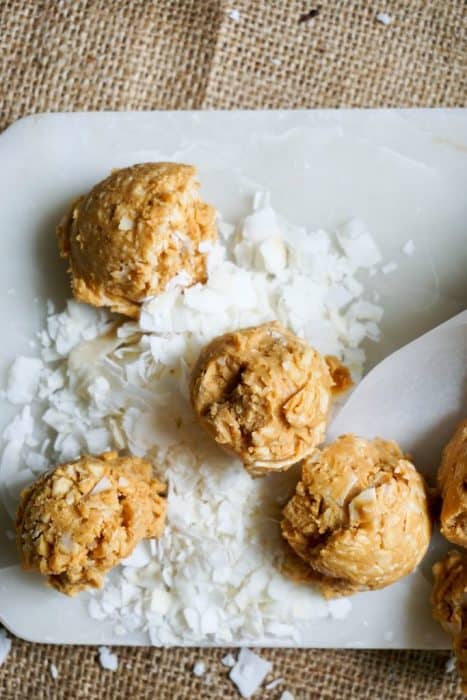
403 172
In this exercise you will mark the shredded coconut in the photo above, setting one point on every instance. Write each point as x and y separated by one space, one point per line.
214 577
107 660
249 672
273 684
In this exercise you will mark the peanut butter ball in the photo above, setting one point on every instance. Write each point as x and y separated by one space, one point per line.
78 521
359 519
452 479
133 232
449 601
264 395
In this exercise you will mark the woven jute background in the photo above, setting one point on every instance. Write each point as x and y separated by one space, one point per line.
148 54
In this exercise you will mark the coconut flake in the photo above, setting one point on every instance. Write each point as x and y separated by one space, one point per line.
383 18
140 556
234 15
228 660
409 247
364 311
225 228
273 684
249 672
358 244
98 440
107 659
23 379
273 255
450 664
103 484
35 461
287 695
53 670
126 224
161 600
199 669
209 621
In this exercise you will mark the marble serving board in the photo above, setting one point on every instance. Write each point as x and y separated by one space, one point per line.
403 171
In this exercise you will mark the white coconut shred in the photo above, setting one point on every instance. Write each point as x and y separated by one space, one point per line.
100 384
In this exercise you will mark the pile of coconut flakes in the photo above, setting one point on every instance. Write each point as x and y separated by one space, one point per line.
99 384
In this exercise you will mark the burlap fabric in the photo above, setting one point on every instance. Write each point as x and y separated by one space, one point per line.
144 54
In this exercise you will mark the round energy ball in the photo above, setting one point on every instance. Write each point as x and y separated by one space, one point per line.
264 395
78 521
449 603
452 478
134 232
359 519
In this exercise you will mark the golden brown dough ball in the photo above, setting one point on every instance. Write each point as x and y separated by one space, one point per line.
78 521
133 232
359 519
263 394
452 479
449 601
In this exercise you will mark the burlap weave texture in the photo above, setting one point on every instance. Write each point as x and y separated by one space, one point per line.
61 55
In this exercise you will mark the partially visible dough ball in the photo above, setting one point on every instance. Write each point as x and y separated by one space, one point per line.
452 479
449 601
263 394
133 232
359 519
78 521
